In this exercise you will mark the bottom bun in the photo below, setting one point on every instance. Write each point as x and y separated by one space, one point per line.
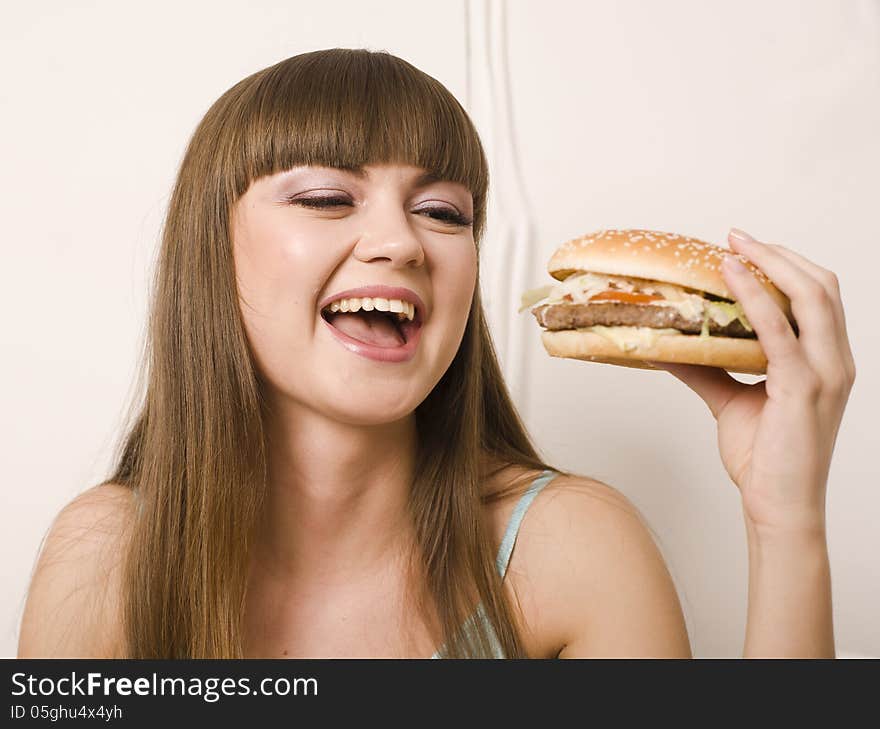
729 353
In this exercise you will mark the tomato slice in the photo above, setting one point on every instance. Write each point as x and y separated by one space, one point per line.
626 297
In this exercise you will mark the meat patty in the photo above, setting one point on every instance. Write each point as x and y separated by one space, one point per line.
613 314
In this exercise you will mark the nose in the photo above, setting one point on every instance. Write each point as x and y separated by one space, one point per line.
388 234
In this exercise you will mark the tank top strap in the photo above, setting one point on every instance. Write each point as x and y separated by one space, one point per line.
516 518
504 553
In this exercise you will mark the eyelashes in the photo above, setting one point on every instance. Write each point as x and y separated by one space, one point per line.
443 215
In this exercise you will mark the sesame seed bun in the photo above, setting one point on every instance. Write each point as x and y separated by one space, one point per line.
663 257
656 256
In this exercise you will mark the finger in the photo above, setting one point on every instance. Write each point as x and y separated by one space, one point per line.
829 280
810 304
777 338
712 384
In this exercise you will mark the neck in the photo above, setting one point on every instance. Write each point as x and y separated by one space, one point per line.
337 504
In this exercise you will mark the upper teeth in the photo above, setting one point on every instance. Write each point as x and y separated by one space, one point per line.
405 309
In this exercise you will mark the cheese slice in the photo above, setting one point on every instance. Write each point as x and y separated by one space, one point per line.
630 338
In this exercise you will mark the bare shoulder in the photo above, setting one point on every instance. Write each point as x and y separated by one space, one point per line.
72 607
600 583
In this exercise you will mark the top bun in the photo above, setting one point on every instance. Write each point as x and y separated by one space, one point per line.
656 256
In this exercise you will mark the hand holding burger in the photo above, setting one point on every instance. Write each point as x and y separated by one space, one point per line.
776 436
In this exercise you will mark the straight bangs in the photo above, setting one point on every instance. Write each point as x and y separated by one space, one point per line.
348 108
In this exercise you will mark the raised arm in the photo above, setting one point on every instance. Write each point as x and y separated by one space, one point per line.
789 596
776 438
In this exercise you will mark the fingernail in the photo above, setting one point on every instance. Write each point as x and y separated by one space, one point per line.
733 265
741 235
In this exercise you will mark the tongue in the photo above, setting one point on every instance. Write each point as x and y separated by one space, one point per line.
371 327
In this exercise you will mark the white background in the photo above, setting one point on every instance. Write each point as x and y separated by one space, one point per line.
681 116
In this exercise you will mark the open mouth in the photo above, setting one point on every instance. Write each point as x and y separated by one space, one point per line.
375 328
383 330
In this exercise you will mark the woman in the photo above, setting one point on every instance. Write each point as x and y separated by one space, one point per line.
285 491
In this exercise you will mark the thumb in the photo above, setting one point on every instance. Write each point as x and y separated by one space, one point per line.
712 384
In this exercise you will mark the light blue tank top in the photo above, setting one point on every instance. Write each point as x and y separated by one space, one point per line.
503 558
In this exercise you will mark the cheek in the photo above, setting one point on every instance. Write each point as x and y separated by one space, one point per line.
456 280
278 281
453 281
279 269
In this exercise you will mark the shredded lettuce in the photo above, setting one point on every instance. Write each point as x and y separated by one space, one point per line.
579 287
533 296
724 313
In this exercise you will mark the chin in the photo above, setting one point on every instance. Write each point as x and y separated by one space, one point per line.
376 404
371 416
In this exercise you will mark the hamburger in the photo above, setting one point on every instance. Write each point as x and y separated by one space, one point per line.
625 297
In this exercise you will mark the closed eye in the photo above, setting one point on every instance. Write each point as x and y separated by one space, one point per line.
444 215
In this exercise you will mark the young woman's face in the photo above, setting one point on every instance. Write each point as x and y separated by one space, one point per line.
386 227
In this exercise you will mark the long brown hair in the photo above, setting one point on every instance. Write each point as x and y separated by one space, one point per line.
195 453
